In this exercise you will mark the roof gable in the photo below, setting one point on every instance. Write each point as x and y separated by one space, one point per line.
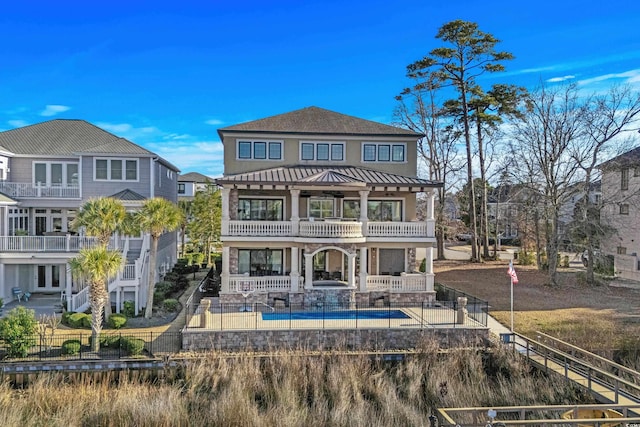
318 121
66 137
194 177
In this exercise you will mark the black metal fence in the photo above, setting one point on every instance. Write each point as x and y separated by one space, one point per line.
477 309
119 345
246 316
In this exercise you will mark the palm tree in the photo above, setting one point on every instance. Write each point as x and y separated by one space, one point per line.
156 217
101 217
96 265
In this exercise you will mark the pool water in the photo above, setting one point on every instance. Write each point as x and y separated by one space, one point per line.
337 315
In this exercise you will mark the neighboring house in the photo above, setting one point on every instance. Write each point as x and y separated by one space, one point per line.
320 207
504 204
190 183
49 170
568 208
621 211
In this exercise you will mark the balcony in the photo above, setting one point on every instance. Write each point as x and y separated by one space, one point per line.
66 243
329 228
28 190
409 282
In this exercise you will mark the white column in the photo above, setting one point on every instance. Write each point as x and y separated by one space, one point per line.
364 195
6 221
431 198
308 271
295 211
351 272
68 290
224 193
295 274
224 276
118 296
363 268
429 261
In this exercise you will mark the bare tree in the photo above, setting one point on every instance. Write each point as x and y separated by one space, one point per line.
545 139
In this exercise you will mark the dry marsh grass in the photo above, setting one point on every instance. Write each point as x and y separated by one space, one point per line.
287 389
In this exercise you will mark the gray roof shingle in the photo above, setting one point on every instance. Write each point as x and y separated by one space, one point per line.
318 121
194 177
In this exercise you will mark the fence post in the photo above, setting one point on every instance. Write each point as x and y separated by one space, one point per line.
119 345
80 353
151 343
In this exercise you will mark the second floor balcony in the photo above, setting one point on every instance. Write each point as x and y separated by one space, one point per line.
35 244
21 190
329 228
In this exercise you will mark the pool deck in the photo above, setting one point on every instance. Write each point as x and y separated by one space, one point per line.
420 318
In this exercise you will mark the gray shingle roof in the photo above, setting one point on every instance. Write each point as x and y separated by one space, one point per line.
318 121
324 175
627 159
194 177
66 137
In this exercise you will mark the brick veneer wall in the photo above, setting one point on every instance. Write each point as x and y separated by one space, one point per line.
360 339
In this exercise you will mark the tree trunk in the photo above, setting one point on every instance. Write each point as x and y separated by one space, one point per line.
148 311
484 225
472 193
97 297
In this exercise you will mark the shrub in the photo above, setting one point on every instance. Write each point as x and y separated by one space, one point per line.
86 321
71 347
133 346
18 330
65 317
129 308
170 304
107 340
423 265
526 258
117 321
198 258
161 291
77 320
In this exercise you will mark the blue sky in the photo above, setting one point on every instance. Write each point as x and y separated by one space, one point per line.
167 75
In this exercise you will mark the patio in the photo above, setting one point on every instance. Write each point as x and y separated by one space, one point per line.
42 304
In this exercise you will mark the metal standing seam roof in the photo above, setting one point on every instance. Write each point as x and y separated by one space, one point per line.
194 177
128 196
324 175
318 121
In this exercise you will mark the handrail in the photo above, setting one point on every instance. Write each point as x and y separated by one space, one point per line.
533 347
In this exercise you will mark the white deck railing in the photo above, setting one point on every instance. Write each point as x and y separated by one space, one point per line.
329 228
23 189
404 282
397 229
66 243
260 283
335 228
259 228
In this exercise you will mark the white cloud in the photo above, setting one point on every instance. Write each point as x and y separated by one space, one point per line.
205 157
631 76
214 122
560 79
17 123
53 109
176 136
130 132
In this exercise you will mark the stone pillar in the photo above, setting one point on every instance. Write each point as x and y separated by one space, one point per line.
364 195
363 268
204 312
308 271
295 214
461 315
224 276
295 273
224 193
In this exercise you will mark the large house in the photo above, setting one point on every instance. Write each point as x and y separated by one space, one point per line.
320 207
621 200
47 172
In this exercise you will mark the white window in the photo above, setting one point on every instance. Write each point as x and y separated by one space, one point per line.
259 150
322 151
115 169
384 152
55 173
321 208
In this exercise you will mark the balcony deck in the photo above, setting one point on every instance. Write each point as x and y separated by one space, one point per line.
329 228
66 243
20 190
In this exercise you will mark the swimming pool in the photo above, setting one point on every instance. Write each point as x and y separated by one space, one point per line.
336 315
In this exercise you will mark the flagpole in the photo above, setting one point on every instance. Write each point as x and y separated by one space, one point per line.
511 304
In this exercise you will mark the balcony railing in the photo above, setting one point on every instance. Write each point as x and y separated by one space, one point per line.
404 282
45 243
238 283
29 190
331 228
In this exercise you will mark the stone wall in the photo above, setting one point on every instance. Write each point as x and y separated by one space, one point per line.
356 339
345 297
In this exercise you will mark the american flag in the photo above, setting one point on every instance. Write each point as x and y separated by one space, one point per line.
512 272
